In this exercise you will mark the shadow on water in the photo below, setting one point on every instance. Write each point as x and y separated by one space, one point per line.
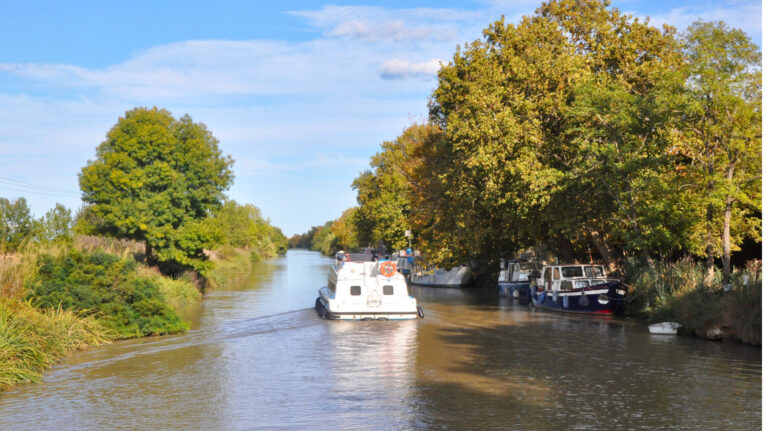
550 370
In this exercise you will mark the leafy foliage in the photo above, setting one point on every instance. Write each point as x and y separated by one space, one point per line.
106 287
16 224
154 178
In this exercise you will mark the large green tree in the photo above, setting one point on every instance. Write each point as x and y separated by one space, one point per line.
724 138
559 128
154 179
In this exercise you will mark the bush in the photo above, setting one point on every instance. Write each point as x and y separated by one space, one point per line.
680 292
106 287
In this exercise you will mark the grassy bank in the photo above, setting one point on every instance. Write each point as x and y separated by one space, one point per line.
232 265
58 298
681 292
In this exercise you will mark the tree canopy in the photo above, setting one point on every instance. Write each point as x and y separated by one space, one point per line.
578 129
154 178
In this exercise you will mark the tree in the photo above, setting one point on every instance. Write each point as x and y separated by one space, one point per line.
55 226
153 177
724 131
536 149
15 224
382 193
345 231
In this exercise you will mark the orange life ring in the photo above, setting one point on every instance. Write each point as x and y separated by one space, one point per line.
388 268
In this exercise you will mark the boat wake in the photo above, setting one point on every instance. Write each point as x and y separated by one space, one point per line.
221 333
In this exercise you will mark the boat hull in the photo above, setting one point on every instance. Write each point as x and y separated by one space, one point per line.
455 277
322 309
515 290
607 298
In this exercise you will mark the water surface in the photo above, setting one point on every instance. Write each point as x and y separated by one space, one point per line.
258 357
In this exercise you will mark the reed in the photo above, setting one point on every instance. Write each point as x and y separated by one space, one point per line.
176 291
31 339
681 292
230 265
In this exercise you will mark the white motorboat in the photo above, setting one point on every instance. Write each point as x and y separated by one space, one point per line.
362 289
438 277
664 328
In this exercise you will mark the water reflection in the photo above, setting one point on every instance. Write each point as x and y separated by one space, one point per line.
258 357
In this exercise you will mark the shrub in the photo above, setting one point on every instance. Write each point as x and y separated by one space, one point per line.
106 287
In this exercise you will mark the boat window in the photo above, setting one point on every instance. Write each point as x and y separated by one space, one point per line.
556 275
595 271
332 286
567 285
580 284
388 290
354 290
528 266
548 274
572 271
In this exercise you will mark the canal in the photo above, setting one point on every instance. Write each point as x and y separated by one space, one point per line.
258 357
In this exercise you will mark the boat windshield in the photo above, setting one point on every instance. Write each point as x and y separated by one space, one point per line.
528 267
594 271
572 271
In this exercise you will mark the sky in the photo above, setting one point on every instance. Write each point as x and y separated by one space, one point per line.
301 94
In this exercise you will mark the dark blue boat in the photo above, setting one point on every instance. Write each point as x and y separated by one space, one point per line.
578 289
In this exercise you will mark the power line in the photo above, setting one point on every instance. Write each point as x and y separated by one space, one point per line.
34 188
35 191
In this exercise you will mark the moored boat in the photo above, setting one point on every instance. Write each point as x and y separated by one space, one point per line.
459 276
664 328
577 289
361 289
515 277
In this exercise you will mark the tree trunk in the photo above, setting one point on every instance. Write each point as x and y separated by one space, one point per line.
605 251
565 247
727 231
710 247
727 242
147 252
710 216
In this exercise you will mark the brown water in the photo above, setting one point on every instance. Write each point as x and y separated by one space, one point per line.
258 357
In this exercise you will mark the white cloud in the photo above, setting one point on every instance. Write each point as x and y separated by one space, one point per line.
379 24
395 30
402 69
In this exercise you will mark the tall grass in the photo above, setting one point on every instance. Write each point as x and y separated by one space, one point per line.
230 266
31 339
176 291
681 292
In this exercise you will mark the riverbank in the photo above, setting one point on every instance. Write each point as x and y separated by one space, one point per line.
57 299
682 292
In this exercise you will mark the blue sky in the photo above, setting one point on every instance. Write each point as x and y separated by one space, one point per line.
300 93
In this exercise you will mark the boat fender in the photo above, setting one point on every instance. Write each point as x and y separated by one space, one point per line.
542 297
420 311
554 296
583 300
515 293
602 299
565 302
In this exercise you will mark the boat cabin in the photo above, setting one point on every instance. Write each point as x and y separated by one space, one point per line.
571 277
